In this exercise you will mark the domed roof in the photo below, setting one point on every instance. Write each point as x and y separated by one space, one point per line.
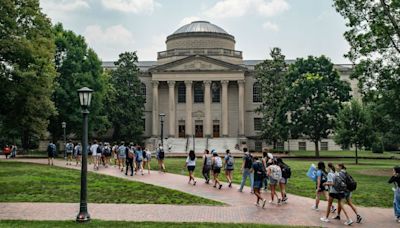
200 26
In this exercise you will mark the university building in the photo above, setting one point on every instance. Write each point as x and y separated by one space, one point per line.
208 92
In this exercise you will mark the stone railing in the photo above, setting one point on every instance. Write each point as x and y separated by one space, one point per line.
200 51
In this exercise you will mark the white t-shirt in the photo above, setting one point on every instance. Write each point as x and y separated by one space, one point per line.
190 162
93 148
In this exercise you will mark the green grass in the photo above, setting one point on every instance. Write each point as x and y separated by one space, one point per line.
25 182
107 224
345 153
372 190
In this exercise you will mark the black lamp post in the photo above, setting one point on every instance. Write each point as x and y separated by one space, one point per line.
85 97
64 126
162 116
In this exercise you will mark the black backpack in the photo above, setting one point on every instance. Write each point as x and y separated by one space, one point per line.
260 168
286 171
161 154
248 161
339 183
350 182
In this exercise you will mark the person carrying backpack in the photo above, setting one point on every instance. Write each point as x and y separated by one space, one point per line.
333 194
229 167
69 150
216 167
160 158
259 174
350 186
395 179
78 153
207 162
191 165
247 170
275 174
121 156
146 159
286 174
321 189
139 159
107 154
51 153
129 156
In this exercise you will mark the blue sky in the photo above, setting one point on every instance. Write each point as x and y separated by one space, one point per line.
299 27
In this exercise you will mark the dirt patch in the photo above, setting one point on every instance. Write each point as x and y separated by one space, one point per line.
384 172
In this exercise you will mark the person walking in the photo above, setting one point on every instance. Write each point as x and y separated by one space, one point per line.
332 192
121 156
395 180
286 174
191 165
93 149
147 160
14 149
6 151
321 189
115 154
98 155
259 174
247 170
107 154
265 163
216 167
78 153
274 173
207 162
69 150
229 164
347 195
160 154
139 159
130 156
51 153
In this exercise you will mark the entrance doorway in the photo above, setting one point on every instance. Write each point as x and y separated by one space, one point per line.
198 131
216 131
181 130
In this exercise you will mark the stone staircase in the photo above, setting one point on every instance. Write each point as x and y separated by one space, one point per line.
200 144
222 144
177 145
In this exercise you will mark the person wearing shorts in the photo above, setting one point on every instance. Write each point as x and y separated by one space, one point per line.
229 167
216 167
275 174
121 156
51 153
259 174
78 153
147 160
191 165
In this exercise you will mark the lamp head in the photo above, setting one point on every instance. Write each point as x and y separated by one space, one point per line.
63 125
85 96
162 116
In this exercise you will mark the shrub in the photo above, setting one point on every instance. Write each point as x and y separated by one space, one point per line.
377 148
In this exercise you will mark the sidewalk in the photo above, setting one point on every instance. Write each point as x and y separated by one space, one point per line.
239 209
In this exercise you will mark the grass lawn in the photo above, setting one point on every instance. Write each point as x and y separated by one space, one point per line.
345 153
107 224
371 177
25 182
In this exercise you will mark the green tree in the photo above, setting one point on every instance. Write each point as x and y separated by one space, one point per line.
374 38
314 96
127 103
26 69
271 76
77 66
354 127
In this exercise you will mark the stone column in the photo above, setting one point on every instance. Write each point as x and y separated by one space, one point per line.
224 108
207 108
189 107
155 108
171 108
241 107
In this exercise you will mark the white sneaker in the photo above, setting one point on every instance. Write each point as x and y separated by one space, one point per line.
324 219
257 205
315 208
348 222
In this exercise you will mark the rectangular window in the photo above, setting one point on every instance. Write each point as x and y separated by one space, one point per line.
302 146
324 145
181 93
257 124
258 146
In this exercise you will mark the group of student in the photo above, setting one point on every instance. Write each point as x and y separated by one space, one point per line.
10 151
259 170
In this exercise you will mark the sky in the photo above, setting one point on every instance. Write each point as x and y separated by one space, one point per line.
299 27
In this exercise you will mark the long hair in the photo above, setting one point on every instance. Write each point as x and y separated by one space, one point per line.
321 166
331 166
341 165
192 155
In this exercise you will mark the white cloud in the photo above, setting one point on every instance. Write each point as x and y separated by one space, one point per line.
188 20
238 8
109 42
270 26
131 6
157 44
64 5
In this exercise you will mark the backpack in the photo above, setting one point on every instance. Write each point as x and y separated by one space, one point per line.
121 150
144 154
218 162
276 173
286 171
350 182
139 156
161 154
339 183
53 148
260 168
69 147
107 151
229 162
248 161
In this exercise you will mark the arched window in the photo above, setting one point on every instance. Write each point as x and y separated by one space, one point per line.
181 92
216 92
143 90
257 92
198 92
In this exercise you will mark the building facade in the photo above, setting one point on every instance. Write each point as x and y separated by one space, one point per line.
207 91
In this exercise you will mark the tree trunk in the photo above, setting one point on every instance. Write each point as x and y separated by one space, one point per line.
356 154
25 141
316 149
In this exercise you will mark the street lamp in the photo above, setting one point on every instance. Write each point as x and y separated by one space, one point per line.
162 117
85 97
64 126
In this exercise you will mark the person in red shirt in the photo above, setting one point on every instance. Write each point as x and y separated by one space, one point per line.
6 151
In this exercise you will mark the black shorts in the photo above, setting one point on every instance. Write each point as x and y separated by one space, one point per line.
51 155
217 170
338 196
191 167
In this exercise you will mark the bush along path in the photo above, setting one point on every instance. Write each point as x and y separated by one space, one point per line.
240 206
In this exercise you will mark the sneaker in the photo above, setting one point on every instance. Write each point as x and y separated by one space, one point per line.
285 199
239 190
230 184
348 222
271 202
264 201
257 204
194 183
214 186
220 186
337 217
359 219
324 219
279 201
315 208
333 209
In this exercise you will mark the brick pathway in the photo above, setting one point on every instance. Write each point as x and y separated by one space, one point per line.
240 206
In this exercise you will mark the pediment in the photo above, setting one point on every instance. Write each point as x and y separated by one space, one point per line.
197 63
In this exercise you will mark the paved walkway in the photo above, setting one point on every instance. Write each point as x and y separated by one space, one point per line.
239 209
